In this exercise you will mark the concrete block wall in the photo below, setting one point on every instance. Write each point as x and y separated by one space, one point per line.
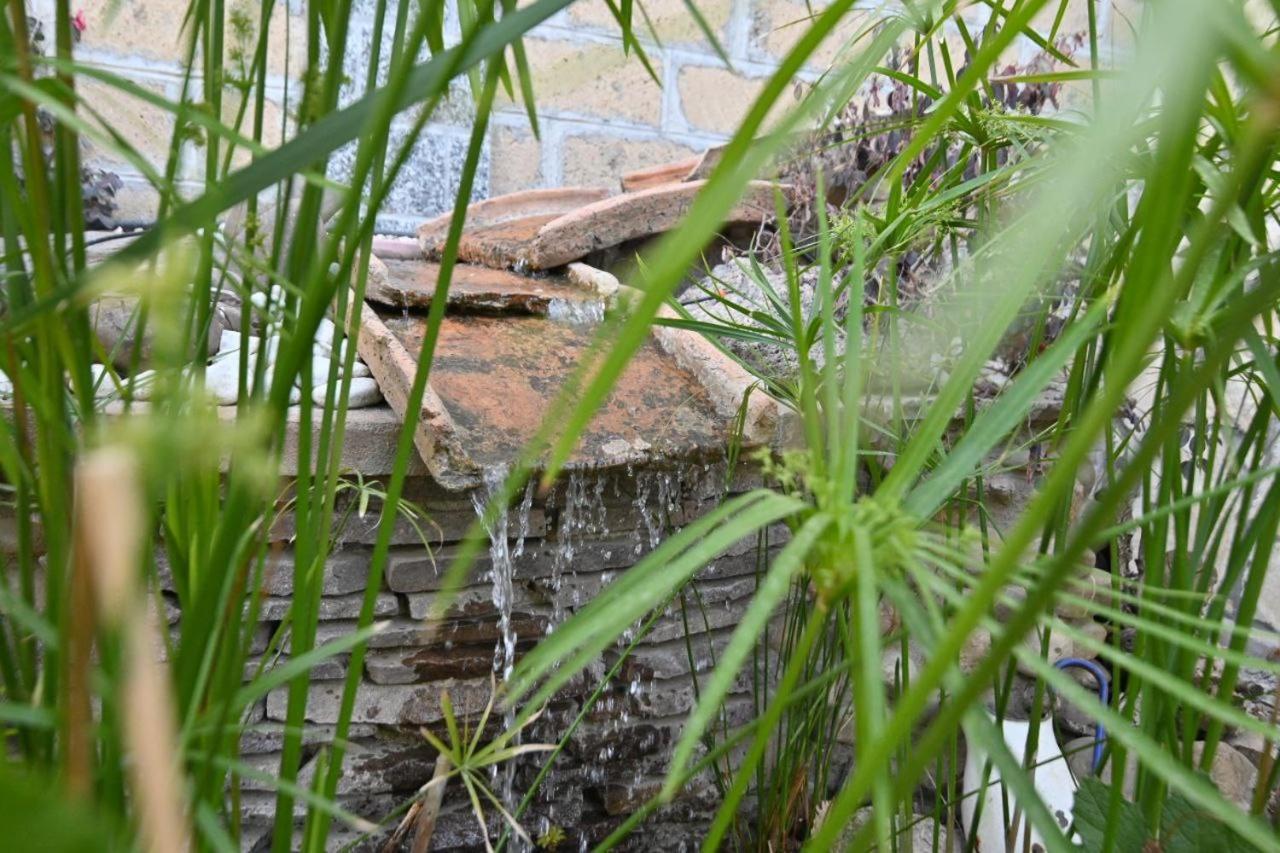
600 111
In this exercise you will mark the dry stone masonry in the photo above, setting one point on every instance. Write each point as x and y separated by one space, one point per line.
559 549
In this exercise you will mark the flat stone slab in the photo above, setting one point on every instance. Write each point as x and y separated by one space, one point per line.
411 285
498 376
507 346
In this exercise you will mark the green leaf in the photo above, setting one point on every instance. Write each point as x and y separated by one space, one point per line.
1092 804
762 608
1186 829
991 427
38 815
573 645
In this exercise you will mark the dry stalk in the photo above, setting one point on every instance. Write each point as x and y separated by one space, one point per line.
110 527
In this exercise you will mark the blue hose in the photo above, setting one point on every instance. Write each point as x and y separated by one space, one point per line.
1104 694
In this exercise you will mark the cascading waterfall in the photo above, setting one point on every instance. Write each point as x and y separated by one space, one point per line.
502 572
502 579
586 512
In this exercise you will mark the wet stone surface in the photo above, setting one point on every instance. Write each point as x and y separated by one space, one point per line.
473 289
502 244
498 376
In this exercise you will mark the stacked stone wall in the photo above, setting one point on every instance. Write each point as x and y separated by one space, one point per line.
576 539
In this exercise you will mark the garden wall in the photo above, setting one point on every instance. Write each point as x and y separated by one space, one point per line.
563 547
600 112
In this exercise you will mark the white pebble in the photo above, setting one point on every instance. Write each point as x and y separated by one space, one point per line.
364 392
222 380
320 370
103 385
141 384
232 341
324 334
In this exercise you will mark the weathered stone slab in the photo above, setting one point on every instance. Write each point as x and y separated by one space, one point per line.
473 289
346 571
385 606
484 375
726 381
434 435
664 173
429 663
394 705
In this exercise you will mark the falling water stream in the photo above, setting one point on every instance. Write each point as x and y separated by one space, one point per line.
583 520
502 554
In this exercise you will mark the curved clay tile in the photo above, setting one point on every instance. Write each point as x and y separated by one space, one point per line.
688 169
632 216
665 173
495 225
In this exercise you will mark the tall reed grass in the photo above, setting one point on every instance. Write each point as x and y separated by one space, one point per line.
1163 182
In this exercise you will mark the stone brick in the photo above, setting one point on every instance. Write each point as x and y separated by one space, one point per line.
384 766
455 109
438 526
334 607
516 161
345 572
671 659
595 80
151 29
329 669
269 737
274 126
402 632
428 664
418 570
672 627
428 184
146 127
474 602
598 160
670 19
597 743
398 705
286 40
776 25
715 99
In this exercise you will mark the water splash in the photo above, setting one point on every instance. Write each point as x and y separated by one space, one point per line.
502 579
522 520
575 312
502 572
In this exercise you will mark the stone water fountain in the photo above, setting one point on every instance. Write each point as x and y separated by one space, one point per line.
651 460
